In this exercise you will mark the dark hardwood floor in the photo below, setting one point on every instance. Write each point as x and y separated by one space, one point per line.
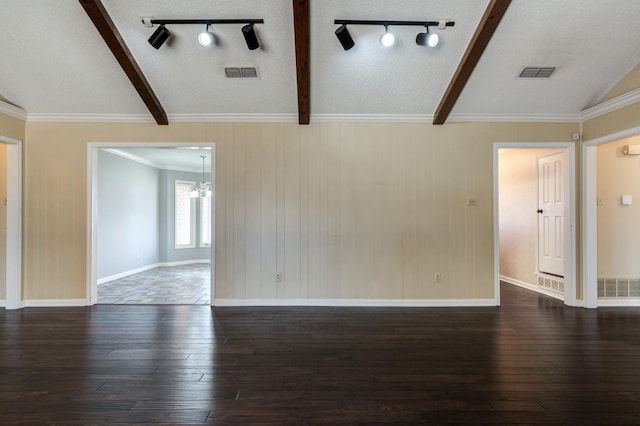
531 361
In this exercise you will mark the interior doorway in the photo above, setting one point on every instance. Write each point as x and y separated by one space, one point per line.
530 178
144 274
11 222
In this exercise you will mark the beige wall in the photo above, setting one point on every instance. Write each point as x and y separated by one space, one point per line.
616 121
341 210
630 82
12 127
618 225
518 219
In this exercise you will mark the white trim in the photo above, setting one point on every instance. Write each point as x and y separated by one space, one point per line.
611 105
148 268
515 118
13 111
570 235
317 118
606 107
176 118
426 303
590 213
13 277
531 287
618 302
54 303
147 162
92 206
3 303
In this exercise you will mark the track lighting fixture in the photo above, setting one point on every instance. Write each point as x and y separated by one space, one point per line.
205 38
159 36
427 39
250 37
344 37
388 39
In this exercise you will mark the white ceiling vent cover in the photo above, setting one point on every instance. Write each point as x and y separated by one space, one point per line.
241 72
536 72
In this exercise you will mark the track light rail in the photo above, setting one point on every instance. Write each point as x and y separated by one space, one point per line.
394 23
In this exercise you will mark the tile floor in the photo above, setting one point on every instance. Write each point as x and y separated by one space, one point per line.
174 285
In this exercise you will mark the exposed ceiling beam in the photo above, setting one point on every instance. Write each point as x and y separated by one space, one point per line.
488 24
301 27
107 29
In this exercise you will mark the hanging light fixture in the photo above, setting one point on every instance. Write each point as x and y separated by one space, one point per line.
344 37
204 190
250 37
159 36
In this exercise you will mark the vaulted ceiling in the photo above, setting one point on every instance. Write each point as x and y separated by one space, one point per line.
55 64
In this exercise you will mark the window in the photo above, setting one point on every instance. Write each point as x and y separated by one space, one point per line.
205 219
185 219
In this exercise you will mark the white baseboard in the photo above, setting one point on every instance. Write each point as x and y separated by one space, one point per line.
148 268
431 303
3 303
531 287
53 303
602 303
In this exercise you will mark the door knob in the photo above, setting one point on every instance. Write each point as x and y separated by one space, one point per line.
540 211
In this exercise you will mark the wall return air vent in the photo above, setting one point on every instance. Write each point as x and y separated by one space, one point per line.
536 72
241 72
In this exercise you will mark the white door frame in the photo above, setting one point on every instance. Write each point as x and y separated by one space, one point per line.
92 206
590 213
13 295
570 230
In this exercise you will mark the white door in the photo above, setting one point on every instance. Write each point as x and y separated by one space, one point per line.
551 222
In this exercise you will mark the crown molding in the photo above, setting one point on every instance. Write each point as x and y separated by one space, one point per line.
514 118
147 162
13 111
606 107
611 105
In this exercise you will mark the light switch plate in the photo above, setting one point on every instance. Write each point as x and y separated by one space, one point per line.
626 200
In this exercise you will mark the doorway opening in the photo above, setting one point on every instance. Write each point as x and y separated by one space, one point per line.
138 213
611 278
11 222
534 196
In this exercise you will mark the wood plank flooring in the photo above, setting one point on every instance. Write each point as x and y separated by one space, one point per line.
531 361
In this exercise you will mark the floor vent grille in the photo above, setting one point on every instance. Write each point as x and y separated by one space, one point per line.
618 288
551 283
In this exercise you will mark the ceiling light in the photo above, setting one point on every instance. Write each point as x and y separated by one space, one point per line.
159 36
427 39
250 37
387 39
204 190
344 37
206 37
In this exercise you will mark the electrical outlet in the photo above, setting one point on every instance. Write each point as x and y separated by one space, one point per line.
437 278
278 277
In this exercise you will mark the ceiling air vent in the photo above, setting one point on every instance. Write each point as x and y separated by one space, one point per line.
241 72
536 72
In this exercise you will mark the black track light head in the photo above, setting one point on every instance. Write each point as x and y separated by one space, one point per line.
250 37
159 36
344 37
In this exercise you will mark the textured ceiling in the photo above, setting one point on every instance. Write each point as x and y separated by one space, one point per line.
55 62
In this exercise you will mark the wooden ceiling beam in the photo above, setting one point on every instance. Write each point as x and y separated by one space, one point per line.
107 29
488 24
301 27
